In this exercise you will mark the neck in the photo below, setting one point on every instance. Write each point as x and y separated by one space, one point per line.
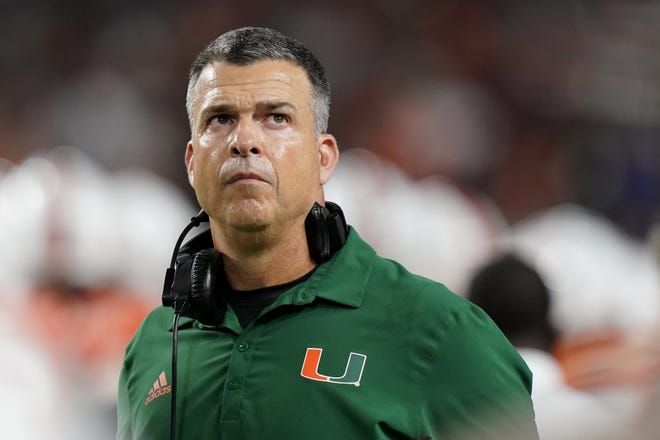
253 260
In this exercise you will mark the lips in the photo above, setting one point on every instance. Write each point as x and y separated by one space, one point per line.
245 176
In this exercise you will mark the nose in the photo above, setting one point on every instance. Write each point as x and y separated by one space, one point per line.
246 139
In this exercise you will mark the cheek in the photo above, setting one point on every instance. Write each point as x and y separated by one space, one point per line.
299 156
284 146
210 147
208 142
207 163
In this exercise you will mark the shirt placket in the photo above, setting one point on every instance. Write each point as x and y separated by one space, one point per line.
243 353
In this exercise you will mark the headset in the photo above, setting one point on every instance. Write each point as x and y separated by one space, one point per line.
194 280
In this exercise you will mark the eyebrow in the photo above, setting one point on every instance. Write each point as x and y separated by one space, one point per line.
275 105
261 106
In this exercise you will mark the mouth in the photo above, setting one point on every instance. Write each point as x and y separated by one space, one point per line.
245 178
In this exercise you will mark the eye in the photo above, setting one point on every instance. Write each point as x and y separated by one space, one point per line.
221 119
278 118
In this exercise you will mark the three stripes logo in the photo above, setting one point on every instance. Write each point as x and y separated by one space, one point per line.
352 373
160 388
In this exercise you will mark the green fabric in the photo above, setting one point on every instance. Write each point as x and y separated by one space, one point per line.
402 357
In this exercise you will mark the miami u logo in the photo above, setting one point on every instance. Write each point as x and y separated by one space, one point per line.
352 374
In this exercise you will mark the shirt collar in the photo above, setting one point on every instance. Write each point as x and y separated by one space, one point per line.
344 277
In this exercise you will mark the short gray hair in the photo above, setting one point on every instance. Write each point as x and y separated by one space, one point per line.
247 45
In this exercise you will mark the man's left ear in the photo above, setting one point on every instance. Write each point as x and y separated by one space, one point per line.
328 156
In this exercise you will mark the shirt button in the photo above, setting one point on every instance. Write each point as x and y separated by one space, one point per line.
233 384
243 346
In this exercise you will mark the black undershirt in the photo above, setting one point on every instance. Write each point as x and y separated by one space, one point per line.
247 304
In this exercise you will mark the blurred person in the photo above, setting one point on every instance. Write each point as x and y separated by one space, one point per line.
279 304
100 266
515 296
443 231
84 278
604 304
599 277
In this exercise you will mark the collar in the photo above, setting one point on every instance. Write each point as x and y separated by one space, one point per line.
344 277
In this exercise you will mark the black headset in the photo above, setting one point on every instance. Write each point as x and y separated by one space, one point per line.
194 280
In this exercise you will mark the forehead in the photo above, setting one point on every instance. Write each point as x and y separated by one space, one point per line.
268 79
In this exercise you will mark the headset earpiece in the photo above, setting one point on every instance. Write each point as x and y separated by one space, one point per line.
337 227
316 229
207 303
326 230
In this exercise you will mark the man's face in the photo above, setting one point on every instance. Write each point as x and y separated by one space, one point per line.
253 158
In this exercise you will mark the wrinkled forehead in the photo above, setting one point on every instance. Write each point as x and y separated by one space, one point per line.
262 80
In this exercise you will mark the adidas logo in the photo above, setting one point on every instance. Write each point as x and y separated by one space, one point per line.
160 388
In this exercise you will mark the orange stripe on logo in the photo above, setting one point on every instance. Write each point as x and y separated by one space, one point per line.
311 365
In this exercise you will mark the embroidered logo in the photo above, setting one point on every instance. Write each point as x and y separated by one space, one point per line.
352 373
160 388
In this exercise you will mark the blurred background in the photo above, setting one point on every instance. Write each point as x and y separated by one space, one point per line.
469 130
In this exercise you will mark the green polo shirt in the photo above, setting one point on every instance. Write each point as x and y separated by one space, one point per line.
362 349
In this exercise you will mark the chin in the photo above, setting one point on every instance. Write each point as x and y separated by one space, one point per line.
249 216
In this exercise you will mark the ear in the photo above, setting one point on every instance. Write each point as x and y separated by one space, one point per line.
189 162
328 156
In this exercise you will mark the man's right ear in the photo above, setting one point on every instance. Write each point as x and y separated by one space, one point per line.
189 162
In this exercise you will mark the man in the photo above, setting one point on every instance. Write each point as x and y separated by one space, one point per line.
320 338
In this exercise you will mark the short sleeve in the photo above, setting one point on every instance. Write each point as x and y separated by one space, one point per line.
477 386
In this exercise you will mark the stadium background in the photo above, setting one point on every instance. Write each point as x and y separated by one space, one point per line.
485 117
